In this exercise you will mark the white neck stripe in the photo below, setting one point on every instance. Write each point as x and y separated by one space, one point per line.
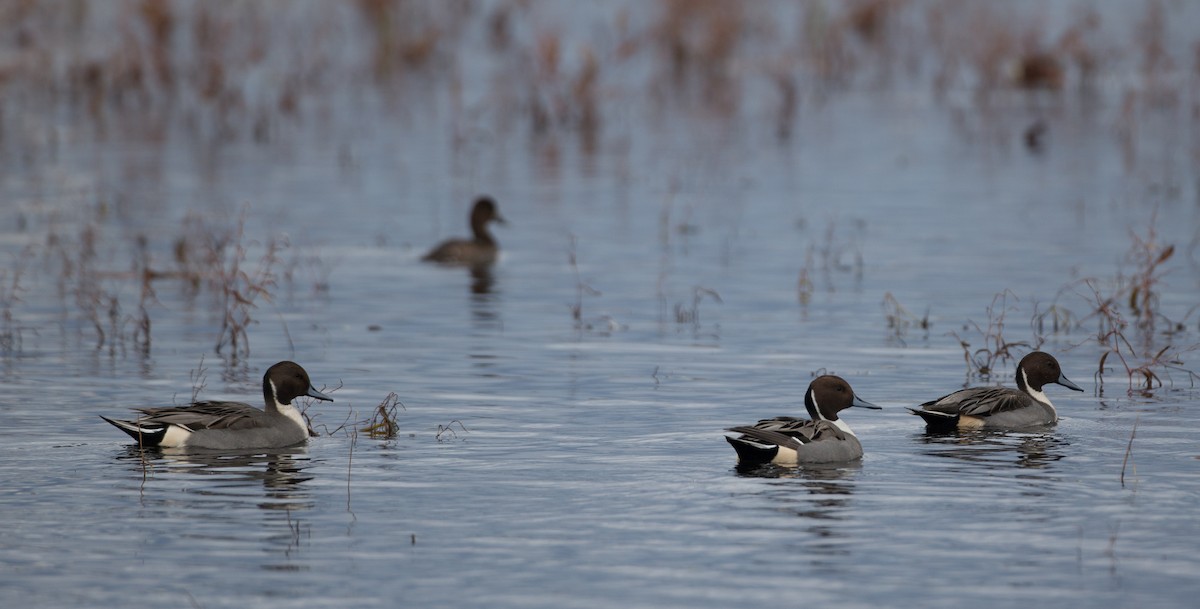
840 424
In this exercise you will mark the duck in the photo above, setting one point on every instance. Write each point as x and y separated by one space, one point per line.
825 438
217 425
478 251
1001 407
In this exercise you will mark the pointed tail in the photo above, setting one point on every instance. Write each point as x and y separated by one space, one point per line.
750 452
937 421
144 435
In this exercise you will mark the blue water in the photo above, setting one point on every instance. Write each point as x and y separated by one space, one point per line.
548 461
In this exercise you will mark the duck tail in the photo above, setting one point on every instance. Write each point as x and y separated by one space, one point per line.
145 435
937 421
751 453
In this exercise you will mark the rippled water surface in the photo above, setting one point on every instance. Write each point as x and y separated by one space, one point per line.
561 415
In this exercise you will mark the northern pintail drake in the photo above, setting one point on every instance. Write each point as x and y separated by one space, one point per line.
478 251
793 441
1001 407
231 425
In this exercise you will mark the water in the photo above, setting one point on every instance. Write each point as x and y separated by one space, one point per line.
548 462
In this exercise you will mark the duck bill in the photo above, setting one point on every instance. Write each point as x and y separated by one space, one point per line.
861 403
313 393
1065 382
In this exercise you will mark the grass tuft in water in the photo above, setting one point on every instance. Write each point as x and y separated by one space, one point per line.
382 425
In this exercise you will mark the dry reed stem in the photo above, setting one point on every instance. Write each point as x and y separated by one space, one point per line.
996 349
710 51
691 315
241 289
804 282
10 295
581 289
448 429
349 465
199 379
1143 364
899 319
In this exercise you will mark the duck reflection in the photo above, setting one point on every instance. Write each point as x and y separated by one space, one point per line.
270 483
824 508
829 485
1033 451
485 319
279 472
481 279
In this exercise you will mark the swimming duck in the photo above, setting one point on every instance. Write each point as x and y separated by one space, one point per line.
478 251
1001 407
793 441
230 425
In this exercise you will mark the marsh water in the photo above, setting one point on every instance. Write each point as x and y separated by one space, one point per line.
677 269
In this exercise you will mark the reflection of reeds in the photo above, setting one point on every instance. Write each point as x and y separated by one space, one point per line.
1129 451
